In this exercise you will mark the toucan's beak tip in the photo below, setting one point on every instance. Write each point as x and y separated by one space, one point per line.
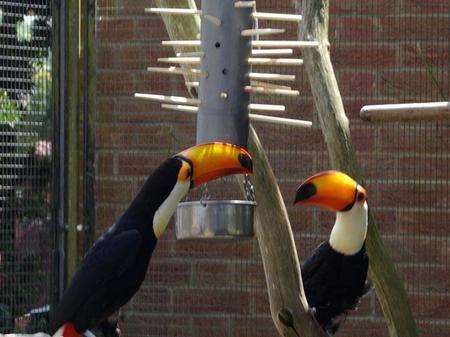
304 192
246 161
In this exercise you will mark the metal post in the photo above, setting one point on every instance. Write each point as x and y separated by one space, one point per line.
223 113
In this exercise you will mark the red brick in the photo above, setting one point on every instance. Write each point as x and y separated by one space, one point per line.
427 305
433 222
252 326
115 83
433 279
150 27
138 164
213 249
413 27
127 135
350 81
211 301
165 272
362 7
362 328
356 29
106 216
105 107
425 54
413 83
417 250
104 164
144 324
115 30
412 195
204 326
152 299
112 191
417 167
364 56
428 7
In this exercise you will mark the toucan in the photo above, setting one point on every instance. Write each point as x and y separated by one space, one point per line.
335 275
115 267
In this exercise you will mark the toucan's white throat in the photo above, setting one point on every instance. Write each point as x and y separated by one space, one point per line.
350 229
167 208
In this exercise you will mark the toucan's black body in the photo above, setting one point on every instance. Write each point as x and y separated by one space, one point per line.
115 267
334 283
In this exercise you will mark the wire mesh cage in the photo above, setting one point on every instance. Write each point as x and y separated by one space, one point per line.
382 52
27 234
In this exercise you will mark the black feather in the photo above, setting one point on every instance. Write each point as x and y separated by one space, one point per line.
334 283
114 268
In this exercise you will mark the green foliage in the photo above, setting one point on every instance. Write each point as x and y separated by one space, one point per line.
9 111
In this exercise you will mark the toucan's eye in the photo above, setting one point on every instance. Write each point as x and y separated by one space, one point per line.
188 173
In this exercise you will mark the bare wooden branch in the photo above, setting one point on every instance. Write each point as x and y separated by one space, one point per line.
335 128
409 112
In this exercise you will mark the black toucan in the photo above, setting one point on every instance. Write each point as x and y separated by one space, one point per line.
114 268
334 276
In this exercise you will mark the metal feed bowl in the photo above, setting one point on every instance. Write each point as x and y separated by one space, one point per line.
214 219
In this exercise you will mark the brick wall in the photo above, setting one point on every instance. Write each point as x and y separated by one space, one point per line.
383 51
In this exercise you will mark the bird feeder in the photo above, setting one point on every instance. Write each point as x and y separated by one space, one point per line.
229 46
222 116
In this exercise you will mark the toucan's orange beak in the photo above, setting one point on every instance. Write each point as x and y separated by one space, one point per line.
214 160
331 190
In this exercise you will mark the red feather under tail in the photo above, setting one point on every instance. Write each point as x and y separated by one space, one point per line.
67 330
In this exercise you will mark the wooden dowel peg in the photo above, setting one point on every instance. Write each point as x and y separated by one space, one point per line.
277 17
178 107
287 44
269 91
271 52
408 112
180 60
272 77
193 84
266 107
253 117
262 31
273 61
182 43
169 99
177 71
280 120
191 54
269 85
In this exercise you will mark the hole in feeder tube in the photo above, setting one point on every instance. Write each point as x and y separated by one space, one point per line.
217 44
224 71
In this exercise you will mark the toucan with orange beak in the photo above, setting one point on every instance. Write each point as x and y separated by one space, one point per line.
115 267
334 276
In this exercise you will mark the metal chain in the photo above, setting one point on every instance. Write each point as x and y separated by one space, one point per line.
204 194
249 188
